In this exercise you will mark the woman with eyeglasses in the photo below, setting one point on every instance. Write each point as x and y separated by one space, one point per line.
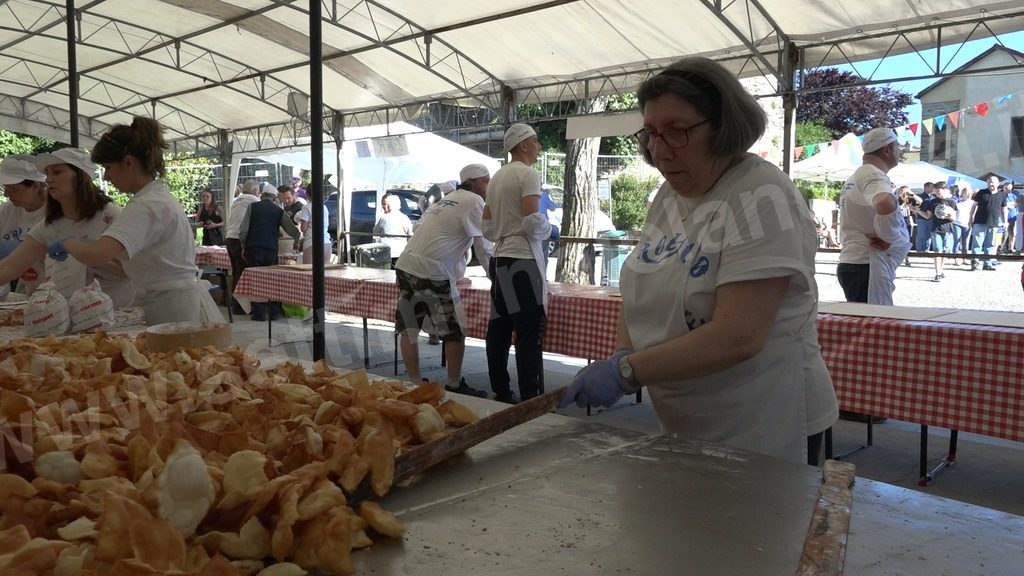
719 301
151 237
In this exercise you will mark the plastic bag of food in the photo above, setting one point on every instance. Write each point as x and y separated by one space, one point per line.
46 312
91 309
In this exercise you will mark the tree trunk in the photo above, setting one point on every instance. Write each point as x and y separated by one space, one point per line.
576 261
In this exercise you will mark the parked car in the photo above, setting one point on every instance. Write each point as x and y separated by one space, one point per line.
364 212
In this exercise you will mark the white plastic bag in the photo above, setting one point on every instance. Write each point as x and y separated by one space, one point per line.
46 312
91 309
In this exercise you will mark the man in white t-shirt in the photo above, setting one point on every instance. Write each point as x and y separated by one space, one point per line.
393 226
873 234
430 268
514 221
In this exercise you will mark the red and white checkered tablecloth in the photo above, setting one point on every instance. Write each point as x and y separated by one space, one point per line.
581 319
963 377
213 256
218 256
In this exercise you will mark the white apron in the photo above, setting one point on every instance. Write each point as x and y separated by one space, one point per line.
882 271
185 301
759 404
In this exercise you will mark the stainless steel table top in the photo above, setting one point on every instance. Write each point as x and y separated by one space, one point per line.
560 495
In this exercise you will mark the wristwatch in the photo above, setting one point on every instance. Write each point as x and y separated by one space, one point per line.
626 373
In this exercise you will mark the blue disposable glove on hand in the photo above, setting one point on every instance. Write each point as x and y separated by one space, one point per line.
57 251
7 247
597 384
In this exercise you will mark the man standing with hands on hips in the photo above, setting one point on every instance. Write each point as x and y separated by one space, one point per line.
873 235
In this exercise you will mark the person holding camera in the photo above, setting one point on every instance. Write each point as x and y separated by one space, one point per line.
940 211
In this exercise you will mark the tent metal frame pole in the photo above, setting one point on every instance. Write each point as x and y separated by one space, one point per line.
316 120
71 16
790 67
338 134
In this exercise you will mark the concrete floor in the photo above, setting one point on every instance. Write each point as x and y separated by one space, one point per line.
987 471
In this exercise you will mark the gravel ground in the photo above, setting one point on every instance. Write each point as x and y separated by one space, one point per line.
915 285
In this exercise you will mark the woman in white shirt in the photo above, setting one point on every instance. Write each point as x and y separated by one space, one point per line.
25 190
75 208
152 237
719 298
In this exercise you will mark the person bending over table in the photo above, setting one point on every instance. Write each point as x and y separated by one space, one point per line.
75 208
429 270
25 190
719 299
151 237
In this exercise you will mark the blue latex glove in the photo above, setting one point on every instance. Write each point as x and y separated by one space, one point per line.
597 384
7 247
57 251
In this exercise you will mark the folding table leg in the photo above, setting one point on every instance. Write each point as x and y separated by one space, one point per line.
396 353
270 326
229 300
366 344
926 476
829 452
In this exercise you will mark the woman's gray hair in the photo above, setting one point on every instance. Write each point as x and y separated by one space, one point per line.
737 119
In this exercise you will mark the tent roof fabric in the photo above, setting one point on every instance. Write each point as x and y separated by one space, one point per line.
203 67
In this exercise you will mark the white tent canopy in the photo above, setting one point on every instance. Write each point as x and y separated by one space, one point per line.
384 157
208 67
915 174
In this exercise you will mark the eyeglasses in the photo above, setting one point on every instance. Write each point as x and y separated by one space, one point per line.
673 137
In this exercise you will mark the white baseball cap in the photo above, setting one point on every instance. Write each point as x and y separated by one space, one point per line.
515 134
472 171
877 138
17 168
71 156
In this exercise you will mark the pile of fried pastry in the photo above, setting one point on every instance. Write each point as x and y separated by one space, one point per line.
118 461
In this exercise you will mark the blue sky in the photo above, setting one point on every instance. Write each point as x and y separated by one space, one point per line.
917 64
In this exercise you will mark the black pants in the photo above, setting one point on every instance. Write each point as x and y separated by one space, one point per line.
854 280
256 256
516 305
234 246
814 443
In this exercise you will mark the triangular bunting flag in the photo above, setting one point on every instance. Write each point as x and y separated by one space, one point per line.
981 109
860 138
799 150
833 146
1004 98
900 131
913 128
927 125
811 149
764 154
954 117
940 122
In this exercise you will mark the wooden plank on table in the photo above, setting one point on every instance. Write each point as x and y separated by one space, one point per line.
824 552
880 311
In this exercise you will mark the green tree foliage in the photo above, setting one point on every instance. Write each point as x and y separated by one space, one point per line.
13 143
811 133
621 145
831 100
186 177
629 201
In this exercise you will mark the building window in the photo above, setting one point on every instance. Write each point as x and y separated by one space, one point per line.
939 144
1017 136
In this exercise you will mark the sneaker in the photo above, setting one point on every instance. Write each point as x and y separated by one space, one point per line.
507 398
466 389
974 265
988 267
938 277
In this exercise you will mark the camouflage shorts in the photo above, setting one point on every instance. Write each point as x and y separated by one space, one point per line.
422 298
